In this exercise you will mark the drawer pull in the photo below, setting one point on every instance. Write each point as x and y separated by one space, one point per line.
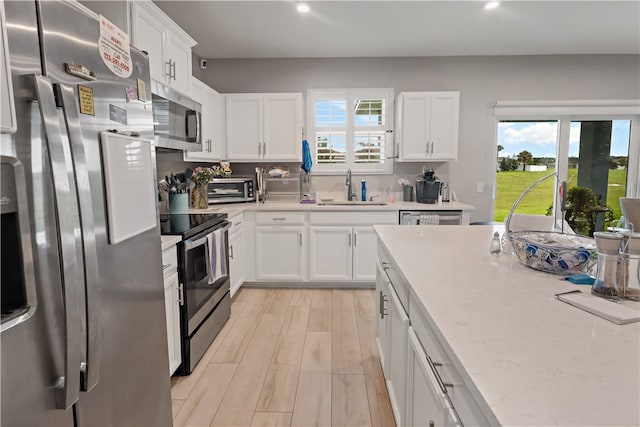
432 366
279 219
383 309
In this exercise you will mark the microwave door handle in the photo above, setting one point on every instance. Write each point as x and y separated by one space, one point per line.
67 386
198 124
91 373
189 116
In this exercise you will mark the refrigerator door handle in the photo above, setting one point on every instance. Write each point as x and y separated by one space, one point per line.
91 373
67 386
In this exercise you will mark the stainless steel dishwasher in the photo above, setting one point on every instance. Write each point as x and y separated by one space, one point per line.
433 217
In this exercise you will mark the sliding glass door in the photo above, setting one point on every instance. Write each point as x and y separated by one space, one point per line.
594 155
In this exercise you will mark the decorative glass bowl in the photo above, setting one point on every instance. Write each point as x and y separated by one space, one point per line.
554 252
551 251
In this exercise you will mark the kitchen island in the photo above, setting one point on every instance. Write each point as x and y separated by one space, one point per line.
515 354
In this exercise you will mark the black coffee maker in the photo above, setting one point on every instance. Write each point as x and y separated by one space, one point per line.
427 187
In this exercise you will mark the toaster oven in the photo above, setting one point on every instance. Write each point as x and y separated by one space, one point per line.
230 190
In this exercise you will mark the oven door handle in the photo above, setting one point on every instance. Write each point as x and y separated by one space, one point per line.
190 244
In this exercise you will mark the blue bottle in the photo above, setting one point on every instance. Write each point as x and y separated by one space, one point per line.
364 191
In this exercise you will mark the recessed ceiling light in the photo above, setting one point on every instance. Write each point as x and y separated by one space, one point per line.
303 8
491 5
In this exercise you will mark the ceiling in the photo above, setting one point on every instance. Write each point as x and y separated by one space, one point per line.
274 29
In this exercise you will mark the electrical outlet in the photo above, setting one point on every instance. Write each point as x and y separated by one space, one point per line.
480 187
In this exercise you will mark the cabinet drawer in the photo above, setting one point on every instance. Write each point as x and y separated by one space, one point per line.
399 284
465 405
236 224
280 218
169 261
353 218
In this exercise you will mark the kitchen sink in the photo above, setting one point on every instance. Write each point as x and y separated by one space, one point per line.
352 203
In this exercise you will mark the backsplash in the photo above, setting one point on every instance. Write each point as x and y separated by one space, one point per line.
171 161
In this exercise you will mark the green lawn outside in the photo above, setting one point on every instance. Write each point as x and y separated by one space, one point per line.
511 184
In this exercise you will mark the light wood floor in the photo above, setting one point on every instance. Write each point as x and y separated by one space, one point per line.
289 357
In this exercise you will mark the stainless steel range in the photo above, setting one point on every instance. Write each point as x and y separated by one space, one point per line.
205 303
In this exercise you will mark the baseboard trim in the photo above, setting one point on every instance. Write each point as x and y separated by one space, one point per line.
311 285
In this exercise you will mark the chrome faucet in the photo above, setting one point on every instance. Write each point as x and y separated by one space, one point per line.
350 194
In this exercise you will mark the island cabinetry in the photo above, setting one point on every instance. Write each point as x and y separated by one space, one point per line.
424 383
212 143
168 45
236 253
172 297
342 245
264 127
280 246
427 126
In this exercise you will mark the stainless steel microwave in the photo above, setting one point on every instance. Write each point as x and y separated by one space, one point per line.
230 190
176 119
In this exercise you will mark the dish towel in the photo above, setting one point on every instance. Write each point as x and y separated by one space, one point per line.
217 265
306 157
429 219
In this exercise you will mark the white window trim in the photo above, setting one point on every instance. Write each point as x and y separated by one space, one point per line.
565 111
385 168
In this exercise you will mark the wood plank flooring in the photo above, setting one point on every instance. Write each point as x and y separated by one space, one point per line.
289 357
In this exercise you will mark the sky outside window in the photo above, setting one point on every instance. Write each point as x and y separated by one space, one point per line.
539 138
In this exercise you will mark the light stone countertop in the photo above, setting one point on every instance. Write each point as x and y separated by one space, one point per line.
169 241
533 359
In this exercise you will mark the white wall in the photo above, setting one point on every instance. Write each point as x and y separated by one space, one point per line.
481 81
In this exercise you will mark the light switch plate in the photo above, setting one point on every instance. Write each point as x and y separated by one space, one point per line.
480 187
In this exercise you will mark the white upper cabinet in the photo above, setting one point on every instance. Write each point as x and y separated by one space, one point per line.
244 126
261 127
427 126
168 45
212 143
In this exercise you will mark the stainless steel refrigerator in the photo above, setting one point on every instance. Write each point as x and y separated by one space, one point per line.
83 339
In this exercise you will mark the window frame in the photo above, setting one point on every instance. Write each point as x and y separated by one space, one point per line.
565 112
350 95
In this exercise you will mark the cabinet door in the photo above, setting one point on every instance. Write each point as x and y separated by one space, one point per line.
443 125
282 126
211 134
279 253
150 35
414 113
180 55
382 318
426 403
172 307
244 127
330 253
236 261
364 253
396 380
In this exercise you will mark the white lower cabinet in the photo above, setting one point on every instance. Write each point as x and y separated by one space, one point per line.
172 306
364 253
236 255
280 253
427 404
342 246
392 327
381 299
330 253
